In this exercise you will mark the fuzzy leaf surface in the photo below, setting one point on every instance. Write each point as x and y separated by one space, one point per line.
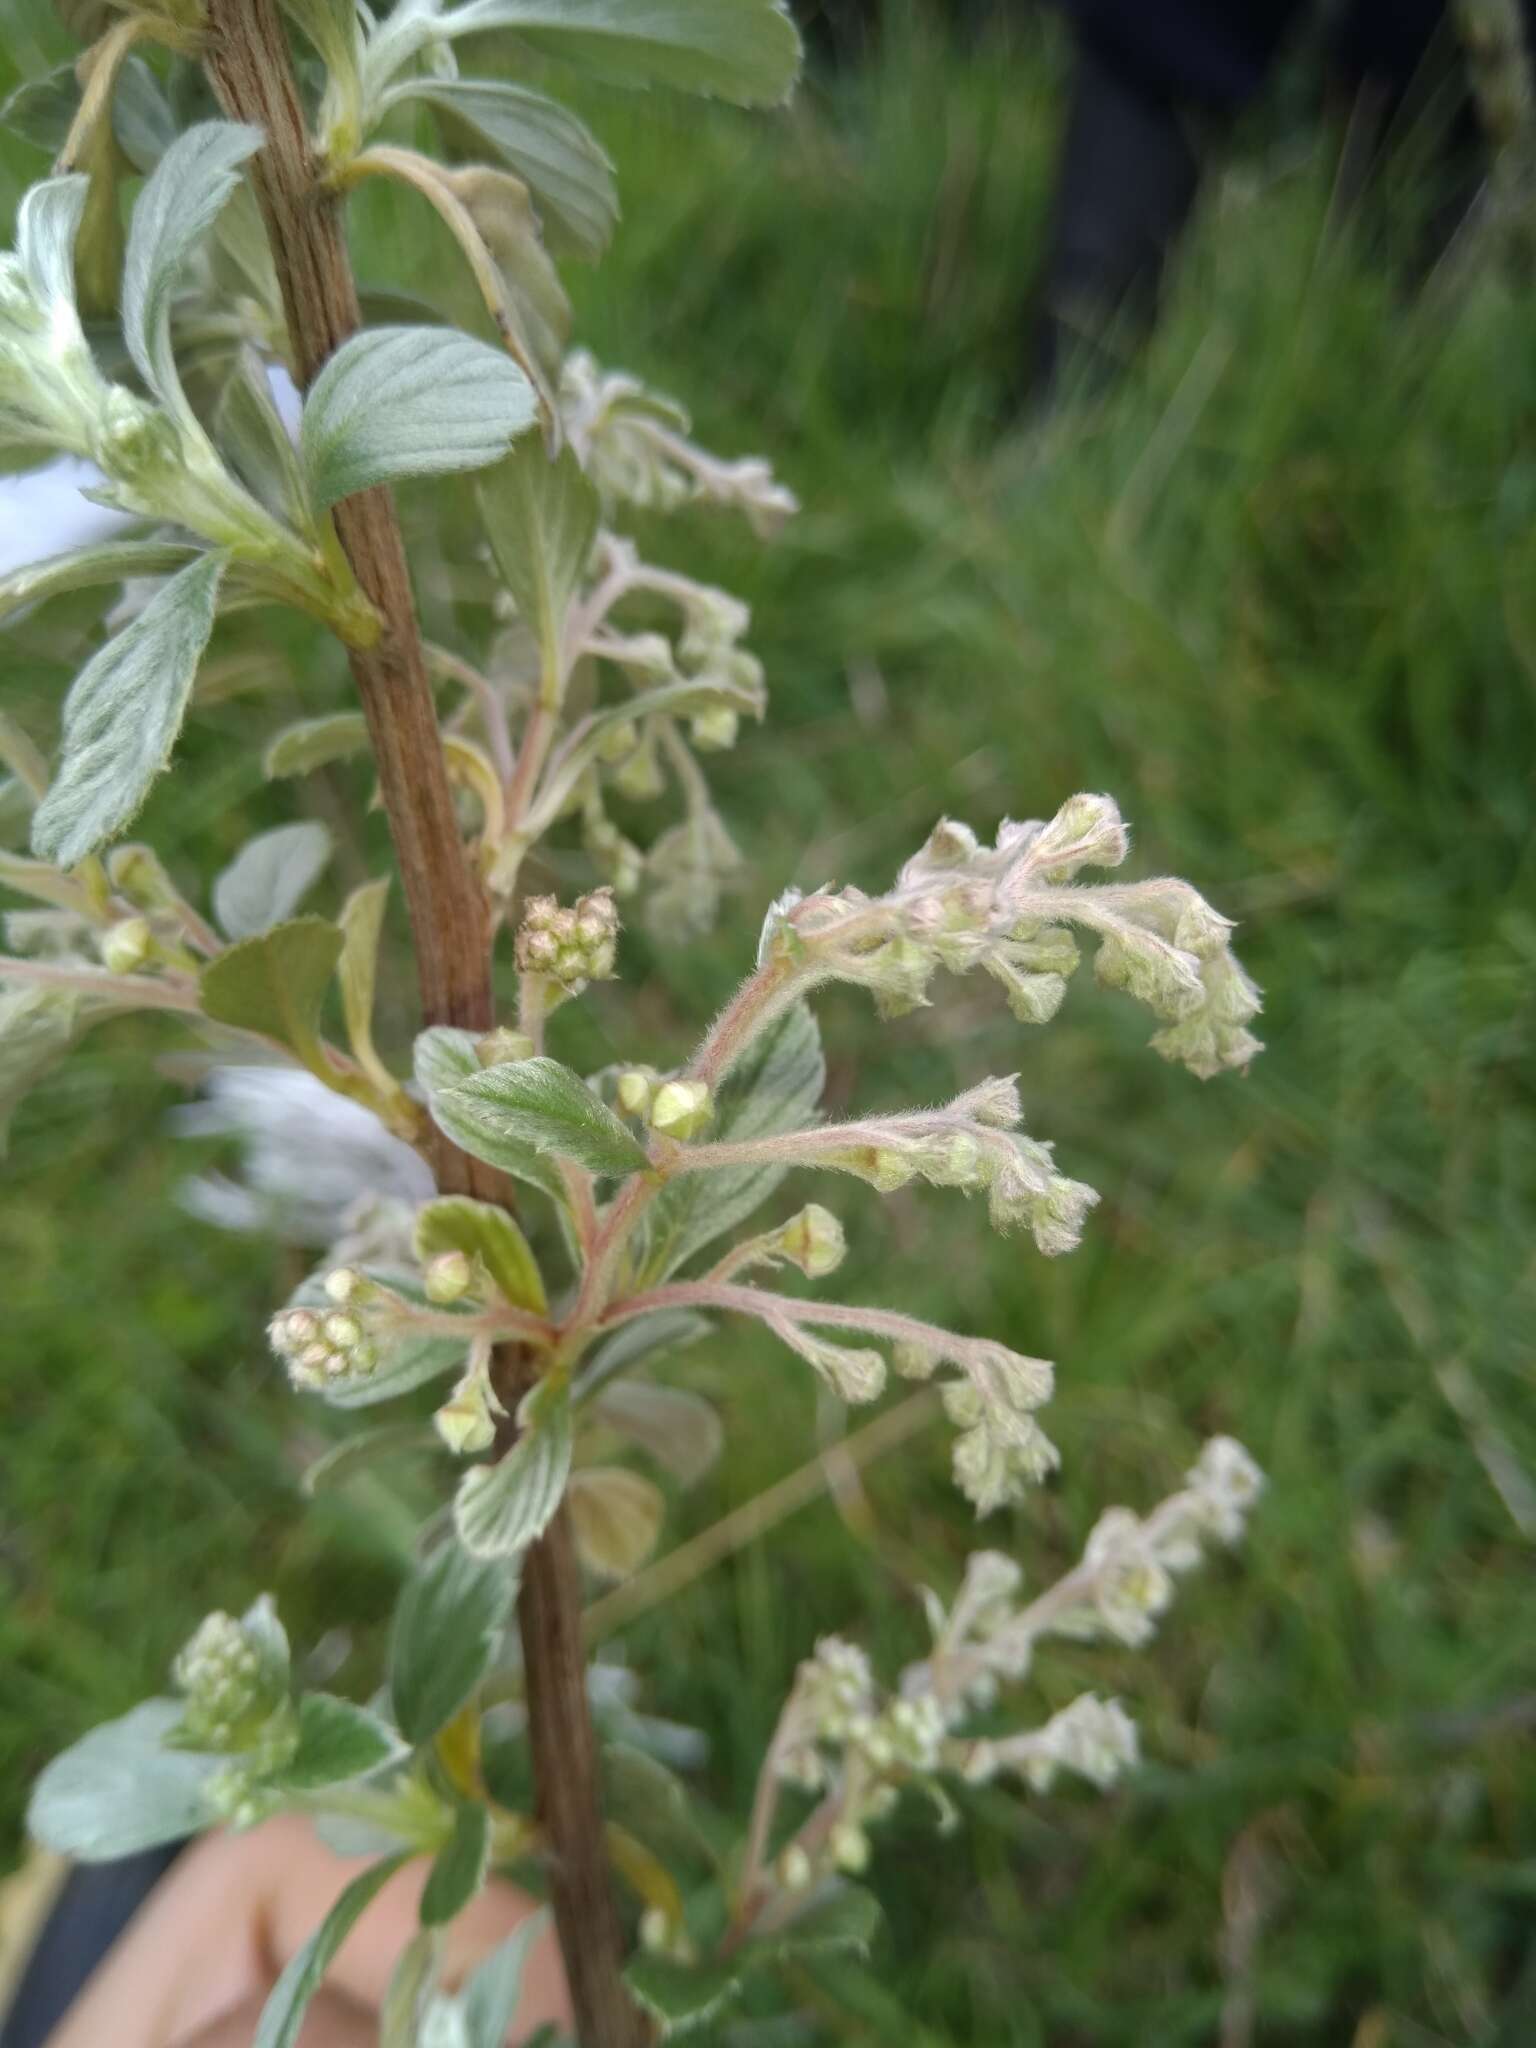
447 1626
122 715
501 1111
398 402
269 878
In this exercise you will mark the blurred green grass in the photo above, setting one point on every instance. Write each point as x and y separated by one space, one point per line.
1276 592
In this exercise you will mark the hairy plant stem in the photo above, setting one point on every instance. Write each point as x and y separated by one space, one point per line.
251 71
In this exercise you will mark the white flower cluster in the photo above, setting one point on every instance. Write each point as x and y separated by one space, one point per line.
571 947
634 444
321 1347
1096 1739
1006 908
973 1144
840 1739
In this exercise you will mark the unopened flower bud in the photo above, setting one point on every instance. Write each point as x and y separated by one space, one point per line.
501 1045
617 740
681 1109
1087 831
634 1091
850 1848
795 1869
342 1284
655 1930
714 730
639 775
448 1277
125 945
464 1423
814 1241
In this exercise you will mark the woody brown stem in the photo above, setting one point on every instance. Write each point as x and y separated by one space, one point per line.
248 62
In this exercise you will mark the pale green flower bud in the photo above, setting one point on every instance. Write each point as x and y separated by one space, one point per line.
448 1277
617 740
615 857
913 1361
715 730
681 1109
342 1284
639 775
125 946
849 1847
1056 1219
138 874
1156 974
795 1869
502 1045
1033 998
634 1091
464 1422
1087 831
814 1241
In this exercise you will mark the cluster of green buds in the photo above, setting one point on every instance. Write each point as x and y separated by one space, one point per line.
235 1694
327 1346
570 947
1007 909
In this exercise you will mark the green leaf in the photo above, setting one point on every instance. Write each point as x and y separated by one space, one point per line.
283 2014
269 878
40 110
541 520
672 1330
448 1624
642 1794
490 1999
409 1993
122 715
275 984
362 925
680 1430
332 27
775 1089
842 1920
741 50
455 1223
337 1742
365 1448
459 1869
298 749
47 222
443 1056
179 202
120 1789
107 562
536 1103
500 1509
249 428
555 155
682 1997
409 401
616 1518
37 1028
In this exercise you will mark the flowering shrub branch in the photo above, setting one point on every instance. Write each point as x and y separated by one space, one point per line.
528 1242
